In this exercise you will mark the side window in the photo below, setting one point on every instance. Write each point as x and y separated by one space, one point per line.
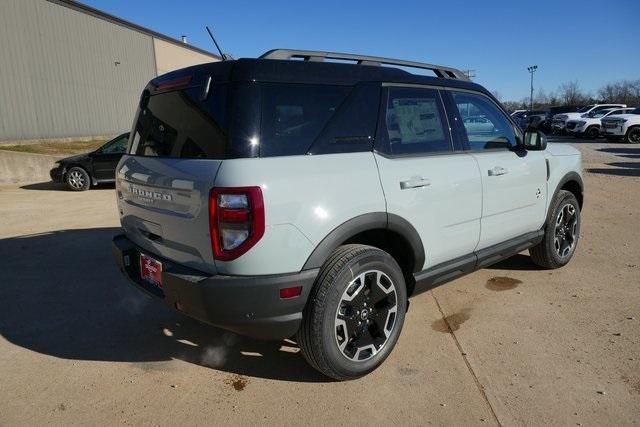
414 122
116 146
485 125
294 115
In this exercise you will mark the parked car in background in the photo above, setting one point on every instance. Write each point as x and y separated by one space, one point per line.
625 126
534 118
478 123
84 170
517 113
559 122
552 111
589 125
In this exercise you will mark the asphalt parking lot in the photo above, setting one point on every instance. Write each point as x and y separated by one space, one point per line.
509 345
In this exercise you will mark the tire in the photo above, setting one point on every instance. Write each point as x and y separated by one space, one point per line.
77 179
561 233
633 135
592 132
340 334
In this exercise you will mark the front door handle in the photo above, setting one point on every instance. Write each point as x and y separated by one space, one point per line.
415 182
497 171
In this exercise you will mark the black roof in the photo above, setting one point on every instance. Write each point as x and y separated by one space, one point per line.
306 72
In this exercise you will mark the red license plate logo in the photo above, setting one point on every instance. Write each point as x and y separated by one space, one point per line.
151 270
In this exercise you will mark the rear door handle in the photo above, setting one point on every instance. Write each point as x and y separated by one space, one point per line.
415 182
497 171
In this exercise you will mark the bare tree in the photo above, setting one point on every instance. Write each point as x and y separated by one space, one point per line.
570 94
625 92
622 92
540 100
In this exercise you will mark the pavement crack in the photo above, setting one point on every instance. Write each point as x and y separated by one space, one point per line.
463 354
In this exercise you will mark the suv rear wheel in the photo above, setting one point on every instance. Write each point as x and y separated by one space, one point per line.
561 233
355 312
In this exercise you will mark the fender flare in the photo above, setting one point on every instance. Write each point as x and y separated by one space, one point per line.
570 176
365 222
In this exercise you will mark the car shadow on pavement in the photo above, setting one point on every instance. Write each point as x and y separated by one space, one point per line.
519 262
59 186
621 150
61 294
618 169
49 186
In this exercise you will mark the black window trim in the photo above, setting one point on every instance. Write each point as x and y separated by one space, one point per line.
384 97
516 129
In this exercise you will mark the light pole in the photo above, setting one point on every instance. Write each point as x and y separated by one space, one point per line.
531 70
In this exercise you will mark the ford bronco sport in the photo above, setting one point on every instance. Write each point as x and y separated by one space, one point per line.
277 197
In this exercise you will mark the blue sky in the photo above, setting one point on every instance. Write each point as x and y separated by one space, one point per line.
590 42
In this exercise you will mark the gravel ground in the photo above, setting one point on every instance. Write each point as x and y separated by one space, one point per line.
519 346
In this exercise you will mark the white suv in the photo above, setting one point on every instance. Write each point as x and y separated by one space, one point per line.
280 198
589 124
625 126
559 121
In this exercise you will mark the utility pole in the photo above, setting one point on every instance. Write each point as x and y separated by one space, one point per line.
531 70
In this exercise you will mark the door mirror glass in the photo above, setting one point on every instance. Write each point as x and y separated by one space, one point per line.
535 140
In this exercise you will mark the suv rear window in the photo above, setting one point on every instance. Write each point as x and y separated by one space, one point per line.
178 124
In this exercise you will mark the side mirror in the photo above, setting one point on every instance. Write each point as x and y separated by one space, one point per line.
534 140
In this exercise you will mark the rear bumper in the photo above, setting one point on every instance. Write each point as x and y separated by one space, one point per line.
247 305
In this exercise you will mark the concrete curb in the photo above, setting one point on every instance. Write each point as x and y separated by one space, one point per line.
17 167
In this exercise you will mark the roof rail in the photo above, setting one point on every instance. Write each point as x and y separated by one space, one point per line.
317 56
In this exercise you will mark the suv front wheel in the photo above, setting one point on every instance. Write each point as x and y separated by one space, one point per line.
561 233
355 312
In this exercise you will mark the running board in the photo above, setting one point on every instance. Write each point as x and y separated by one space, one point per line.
450 270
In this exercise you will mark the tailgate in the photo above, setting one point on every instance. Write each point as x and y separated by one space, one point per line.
163 205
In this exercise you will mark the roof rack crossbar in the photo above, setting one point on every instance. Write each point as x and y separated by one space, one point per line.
318 56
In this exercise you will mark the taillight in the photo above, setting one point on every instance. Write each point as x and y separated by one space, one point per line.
236 220
176 83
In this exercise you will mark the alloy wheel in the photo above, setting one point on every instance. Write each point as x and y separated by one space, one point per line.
366 315
76 180
565 230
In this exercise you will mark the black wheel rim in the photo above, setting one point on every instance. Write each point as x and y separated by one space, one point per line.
566 228
634 136
366 315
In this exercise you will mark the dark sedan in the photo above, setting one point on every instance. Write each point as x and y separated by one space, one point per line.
84 170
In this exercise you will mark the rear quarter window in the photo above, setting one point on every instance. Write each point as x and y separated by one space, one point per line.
293 116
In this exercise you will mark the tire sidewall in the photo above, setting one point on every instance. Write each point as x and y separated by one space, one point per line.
372 260
563 198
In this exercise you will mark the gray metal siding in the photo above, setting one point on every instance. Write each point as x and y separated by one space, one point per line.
58 76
